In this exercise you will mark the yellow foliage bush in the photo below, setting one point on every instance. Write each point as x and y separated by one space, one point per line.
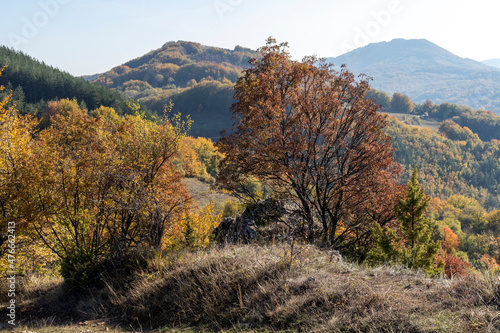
198 158
31 255
18 251
194 228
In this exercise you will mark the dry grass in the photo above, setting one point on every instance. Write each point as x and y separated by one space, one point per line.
267 289
413 120
29 287
202 194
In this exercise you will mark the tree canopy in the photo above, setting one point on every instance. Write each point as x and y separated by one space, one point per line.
314 135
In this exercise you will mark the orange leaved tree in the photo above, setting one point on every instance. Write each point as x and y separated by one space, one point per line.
16 133
313 134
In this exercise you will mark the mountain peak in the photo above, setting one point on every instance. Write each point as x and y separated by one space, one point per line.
424 70
404 51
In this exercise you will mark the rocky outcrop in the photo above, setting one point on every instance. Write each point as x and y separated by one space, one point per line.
235 230
275 218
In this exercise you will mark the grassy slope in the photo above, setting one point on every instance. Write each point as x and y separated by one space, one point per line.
266 289
413 120
202 194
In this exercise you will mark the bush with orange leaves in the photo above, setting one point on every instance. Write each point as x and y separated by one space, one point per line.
454 266
490 262
450 242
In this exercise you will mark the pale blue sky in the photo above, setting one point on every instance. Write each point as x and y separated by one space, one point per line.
92 36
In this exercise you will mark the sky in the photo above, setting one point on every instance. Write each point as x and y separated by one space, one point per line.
86 37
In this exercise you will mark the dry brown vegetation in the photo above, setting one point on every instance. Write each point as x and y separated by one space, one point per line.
202 194
264 289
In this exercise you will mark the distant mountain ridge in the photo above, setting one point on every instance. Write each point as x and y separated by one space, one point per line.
177 63
90 77
199 79
425 71
492 62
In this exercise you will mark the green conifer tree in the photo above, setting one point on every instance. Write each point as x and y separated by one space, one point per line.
189 234
411 245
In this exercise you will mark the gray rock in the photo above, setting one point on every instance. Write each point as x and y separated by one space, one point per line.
278 219
235 230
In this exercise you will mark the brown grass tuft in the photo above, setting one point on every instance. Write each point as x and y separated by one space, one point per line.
268 289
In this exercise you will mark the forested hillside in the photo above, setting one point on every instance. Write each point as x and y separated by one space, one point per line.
197 78
34 83
461 157
452 161
176 64
485 124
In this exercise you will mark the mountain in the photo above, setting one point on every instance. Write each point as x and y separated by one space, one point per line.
90 77
425 71
492 62
197 78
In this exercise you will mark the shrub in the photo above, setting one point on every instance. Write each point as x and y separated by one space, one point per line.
79 268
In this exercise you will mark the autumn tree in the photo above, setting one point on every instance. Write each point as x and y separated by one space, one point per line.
489 262
454 266
450 242
312 133
195 228
16 146
197 157
101 185
402 103
381 98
